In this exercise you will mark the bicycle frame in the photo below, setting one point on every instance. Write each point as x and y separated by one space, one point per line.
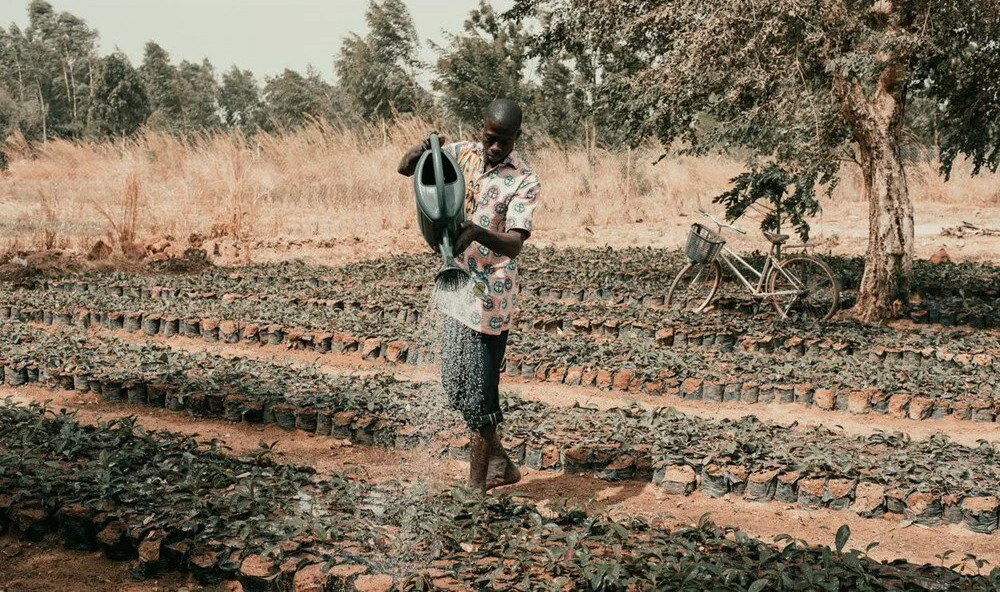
727 256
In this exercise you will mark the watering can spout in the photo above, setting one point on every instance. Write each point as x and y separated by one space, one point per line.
439 187
450 277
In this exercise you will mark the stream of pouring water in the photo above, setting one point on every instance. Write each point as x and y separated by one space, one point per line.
436 331
439 331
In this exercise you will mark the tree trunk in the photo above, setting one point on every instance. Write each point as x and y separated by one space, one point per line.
42 108
71 64
877 123
20 78
69 91
90 90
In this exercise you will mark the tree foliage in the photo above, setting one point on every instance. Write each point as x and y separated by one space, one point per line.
486 61
560 104
293 99
120 101
376 73
47 70
770 75
240 100
163 86
49 74
200 95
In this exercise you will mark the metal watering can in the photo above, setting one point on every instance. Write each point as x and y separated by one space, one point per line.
440 190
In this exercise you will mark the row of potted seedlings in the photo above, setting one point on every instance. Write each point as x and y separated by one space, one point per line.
168 502
581 275
960 385
949 350
667 328
756 460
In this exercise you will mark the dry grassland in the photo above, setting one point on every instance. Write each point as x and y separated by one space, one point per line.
322 182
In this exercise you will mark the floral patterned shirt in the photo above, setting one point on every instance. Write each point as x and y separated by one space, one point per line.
500 198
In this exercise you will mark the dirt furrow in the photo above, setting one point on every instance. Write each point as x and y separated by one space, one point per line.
48 567
896 538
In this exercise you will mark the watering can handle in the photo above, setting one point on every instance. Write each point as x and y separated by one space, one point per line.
438 170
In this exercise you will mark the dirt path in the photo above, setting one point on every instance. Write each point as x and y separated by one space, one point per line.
963 432
764 521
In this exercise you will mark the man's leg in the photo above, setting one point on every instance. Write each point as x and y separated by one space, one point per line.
501 470
462 374
470 374
481 444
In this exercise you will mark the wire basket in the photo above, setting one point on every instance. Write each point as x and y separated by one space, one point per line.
703 244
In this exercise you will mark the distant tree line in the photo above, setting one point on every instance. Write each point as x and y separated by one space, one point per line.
54 83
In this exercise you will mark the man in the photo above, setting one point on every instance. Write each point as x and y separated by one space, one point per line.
501 196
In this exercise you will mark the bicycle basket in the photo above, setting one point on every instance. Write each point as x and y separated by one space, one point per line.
703 244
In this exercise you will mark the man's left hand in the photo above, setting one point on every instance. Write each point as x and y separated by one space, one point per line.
468 232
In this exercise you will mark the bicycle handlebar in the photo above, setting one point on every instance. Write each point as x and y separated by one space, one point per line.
721 224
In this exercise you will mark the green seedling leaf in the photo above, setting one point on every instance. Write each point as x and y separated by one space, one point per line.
843 534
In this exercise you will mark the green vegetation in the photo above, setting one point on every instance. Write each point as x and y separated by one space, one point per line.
262 522
602 327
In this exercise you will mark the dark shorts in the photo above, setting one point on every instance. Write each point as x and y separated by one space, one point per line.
470 372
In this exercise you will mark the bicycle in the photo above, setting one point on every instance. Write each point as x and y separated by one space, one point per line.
800 286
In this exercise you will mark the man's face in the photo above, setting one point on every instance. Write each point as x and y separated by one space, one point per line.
498 141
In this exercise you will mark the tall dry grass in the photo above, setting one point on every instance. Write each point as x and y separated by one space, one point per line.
123 228
326 182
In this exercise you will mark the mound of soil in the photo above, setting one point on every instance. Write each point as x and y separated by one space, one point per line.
193 260
22 267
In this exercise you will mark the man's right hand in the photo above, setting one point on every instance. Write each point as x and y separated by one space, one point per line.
427 141
408 165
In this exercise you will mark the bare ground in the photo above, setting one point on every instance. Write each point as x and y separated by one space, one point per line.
47 567
842 228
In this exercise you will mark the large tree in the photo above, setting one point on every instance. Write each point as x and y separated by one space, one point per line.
164 87
200 95
487 60
66 49
802 86
376 73
292 98
120 102
20 106
240 100
561 102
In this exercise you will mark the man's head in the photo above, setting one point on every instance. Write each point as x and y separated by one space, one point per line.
501 127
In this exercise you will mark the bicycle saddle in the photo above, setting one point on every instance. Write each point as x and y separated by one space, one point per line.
775 239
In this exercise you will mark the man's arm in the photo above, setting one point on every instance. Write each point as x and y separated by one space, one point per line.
507 243
408 165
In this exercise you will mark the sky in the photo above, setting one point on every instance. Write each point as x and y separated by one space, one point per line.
264 36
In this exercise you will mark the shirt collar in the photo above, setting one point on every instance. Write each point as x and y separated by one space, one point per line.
510 160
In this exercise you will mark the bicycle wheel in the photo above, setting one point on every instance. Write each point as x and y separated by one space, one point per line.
694 287
804 288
